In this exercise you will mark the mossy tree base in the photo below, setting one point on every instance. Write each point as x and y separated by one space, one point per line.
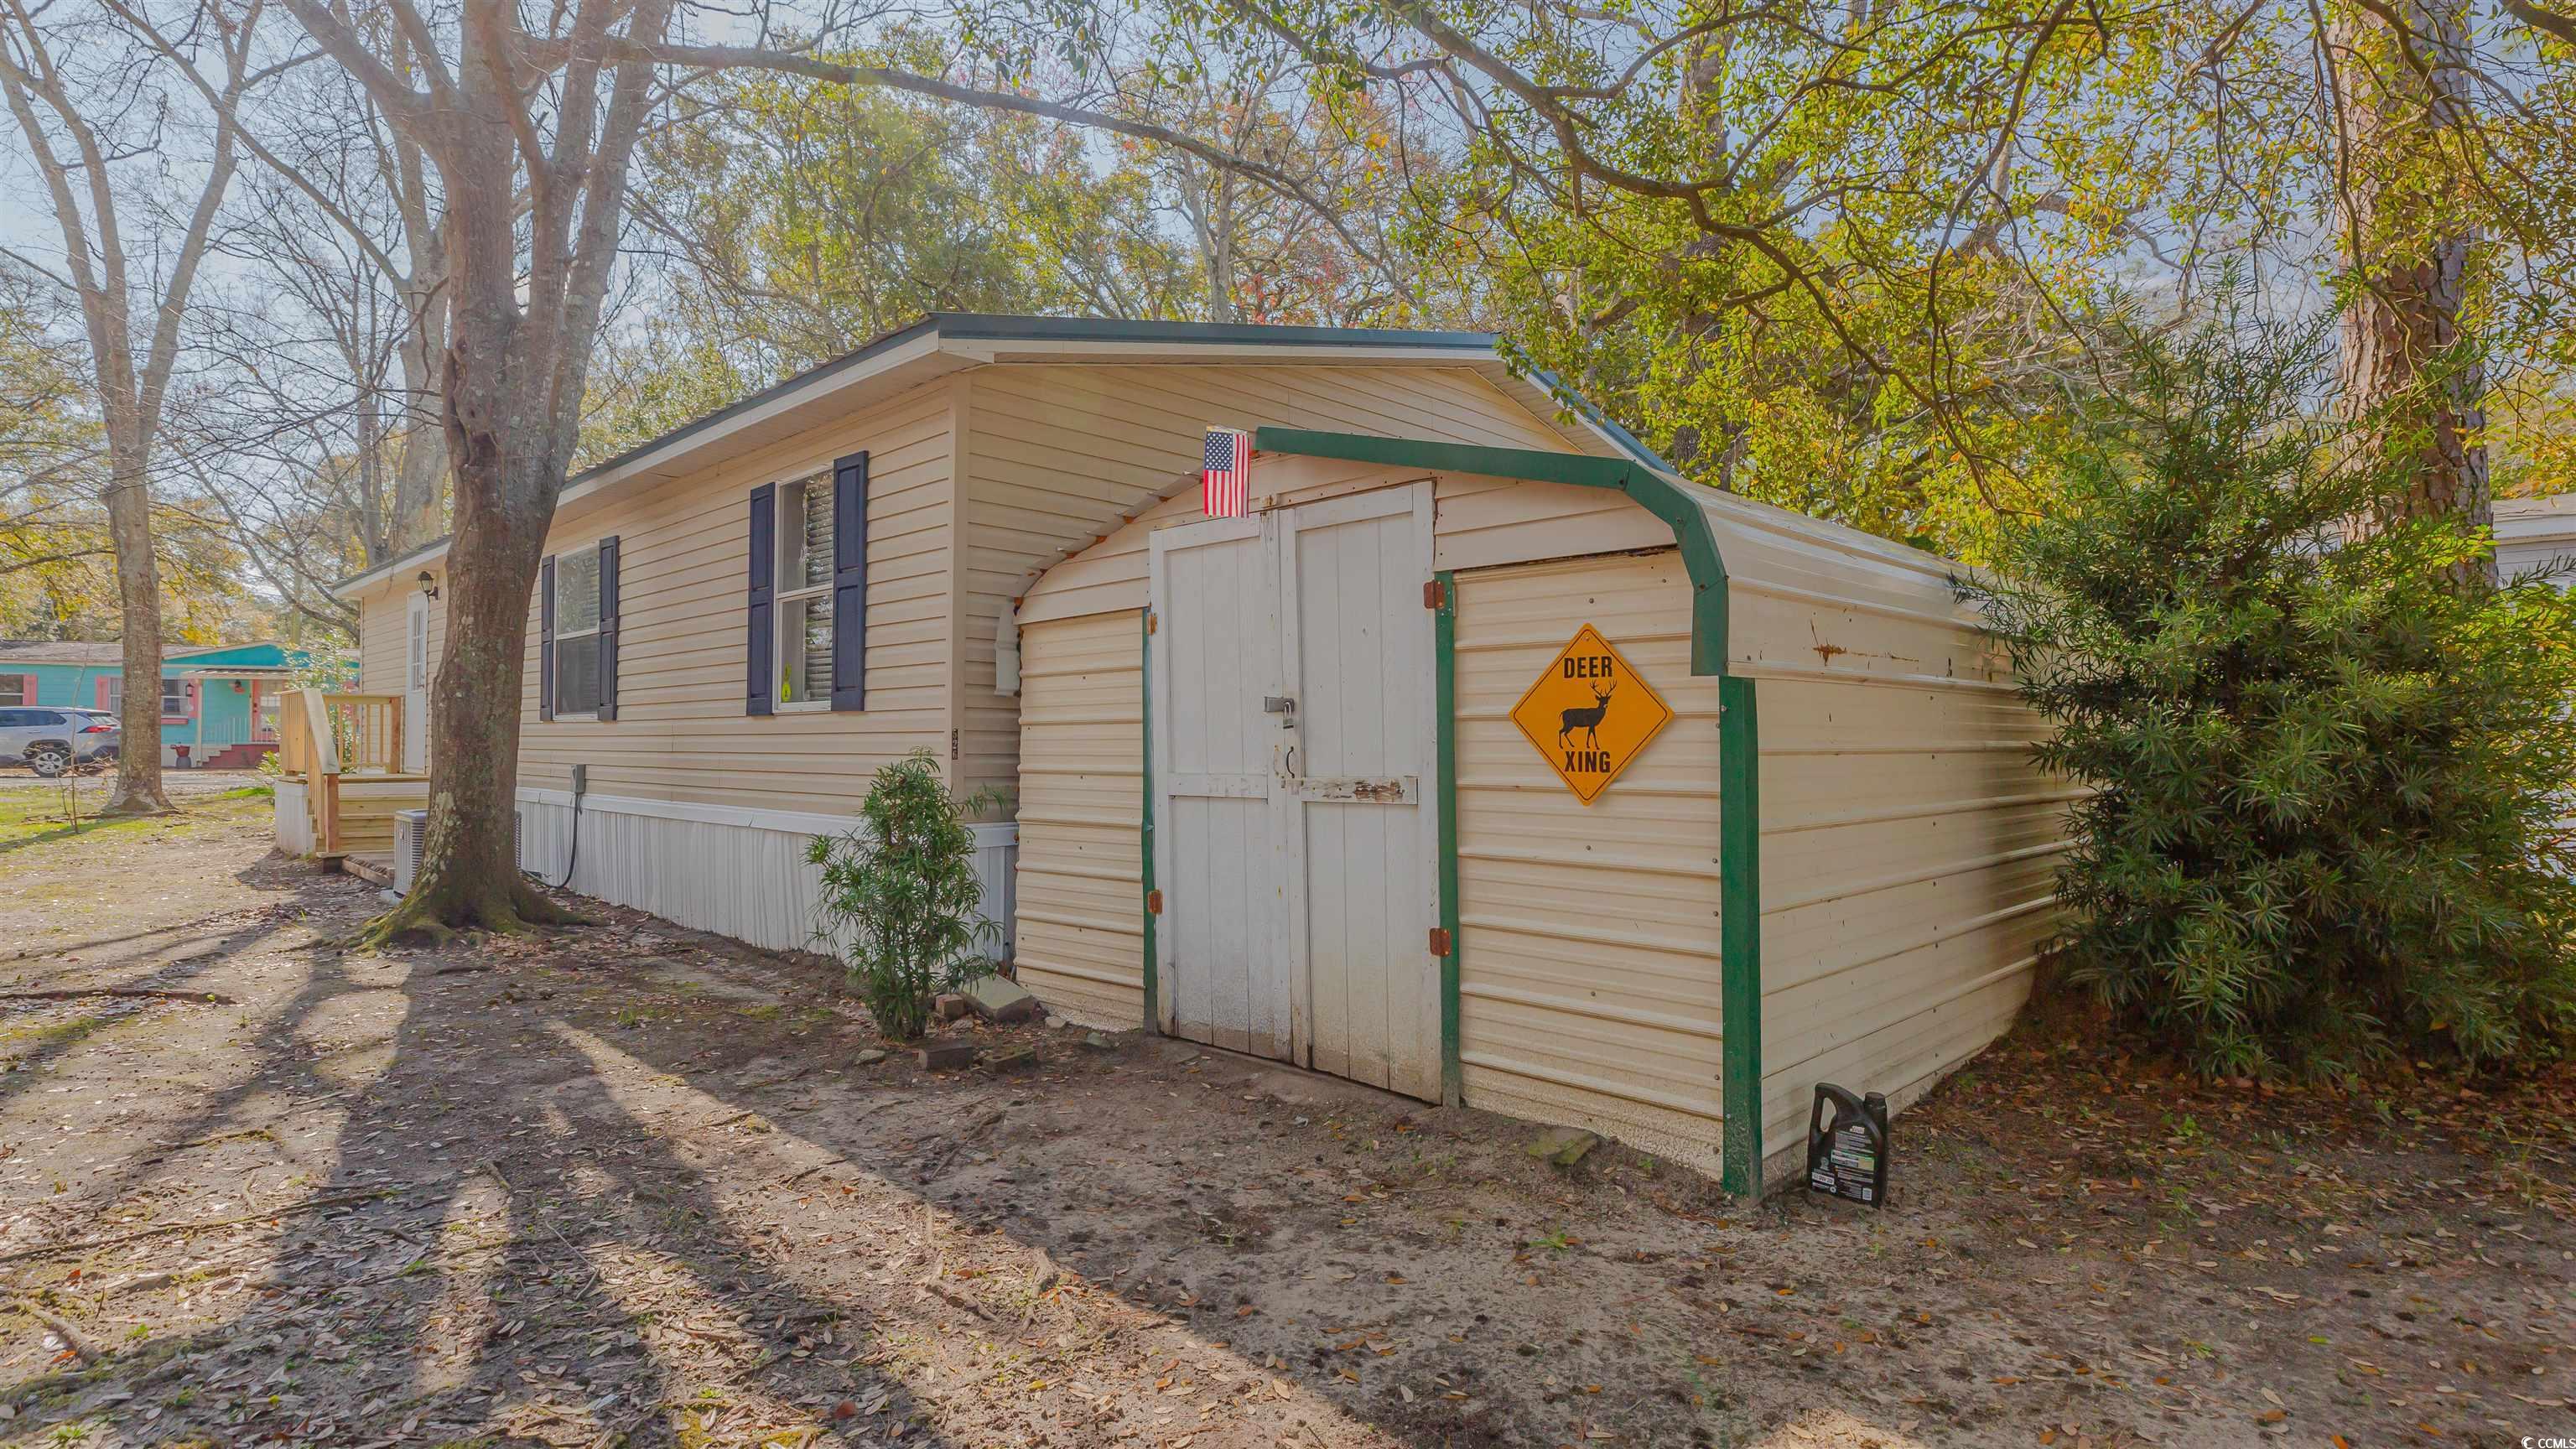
437 911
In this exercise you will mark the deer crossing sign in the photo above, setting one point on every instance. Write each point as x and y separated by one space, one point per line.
1590 714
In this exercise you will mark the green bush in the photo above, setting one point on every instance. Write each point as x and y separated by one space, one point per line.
900 897
2329 774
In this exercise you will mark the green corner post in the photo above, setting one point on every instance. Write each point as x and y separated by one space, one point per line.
1739 785
1145 835
1444 633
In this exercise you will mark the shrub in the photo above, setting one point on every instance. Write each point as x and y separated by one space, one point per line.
900 896
2329 773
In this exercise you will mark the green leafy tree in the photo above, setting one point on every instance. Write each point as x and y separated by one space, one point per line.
2329 782
900 899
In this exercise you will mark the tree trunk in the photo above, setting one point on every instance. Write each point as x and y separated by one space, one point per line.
2406 367
421 477
469 862
138 586
508 454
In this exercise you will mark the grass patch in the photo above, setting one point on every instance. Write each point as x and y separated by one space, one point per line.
43 813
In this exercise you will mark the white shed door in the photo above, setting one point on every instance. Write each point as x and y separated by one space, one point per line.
1295 838
1215 654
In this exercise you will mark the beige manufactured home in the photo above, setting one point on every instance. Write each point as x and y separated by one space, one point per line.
1364 780
974 451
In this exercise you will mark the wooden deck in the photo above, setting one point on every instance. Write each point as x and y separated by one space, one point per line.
362 810
345 749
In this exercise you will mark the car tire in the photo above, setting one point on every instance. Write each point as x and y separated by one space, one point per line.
49 761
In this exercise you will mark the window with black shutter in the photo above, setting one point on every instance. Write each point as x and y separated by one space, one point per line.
581 633
807 632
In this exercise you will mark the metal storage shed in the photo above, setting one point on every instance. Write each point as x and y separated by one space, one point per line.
1273 796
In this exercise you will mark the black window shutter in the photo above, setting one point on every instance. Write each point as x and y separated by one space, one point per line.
546 636
759 666
608 627
850 582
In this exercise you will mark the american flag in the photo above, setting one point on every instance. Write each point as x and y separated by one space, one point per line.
1226 484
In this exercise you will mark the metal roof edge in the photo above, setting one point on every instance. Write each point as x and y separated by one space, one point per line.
368 578
987 328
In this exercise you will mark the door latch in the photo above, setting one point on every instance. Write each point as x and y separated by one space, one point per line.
1278 704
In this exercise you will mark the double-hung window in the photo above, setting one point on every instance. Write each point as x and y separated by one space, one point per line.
804 667
805 620
577 653
576 635
174 698
17 689
112 694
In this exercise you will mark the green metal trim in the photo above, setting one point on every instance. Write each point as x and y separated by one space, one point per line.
1444 638
1739 853
1145 836
1660 494
1739 746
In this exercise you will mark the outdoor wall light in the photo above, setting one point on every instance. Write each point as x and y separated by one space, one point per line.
428 584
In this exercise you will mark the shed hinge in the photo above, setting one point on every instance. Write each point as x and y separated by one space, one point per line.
955 743
1440 940
1434 593
1153 621
1153 903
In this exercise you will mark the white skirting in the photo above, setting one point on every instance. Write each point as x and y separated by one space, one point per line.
735 871
294 819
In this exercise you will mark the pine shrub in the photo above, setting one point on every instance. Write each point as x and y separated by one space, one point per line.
2330 775
900 902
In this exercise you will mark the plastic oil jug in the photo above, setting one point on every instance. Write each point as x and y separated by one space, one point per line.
1847 1156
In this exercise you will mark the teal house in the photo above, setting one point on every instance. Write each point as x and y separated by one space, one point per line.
218 702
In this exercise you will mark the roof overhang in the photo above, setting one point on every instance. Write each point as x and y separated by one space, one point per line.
950 342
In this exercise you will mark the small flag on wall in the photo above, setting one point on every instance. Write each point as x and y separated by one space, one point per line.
1226 482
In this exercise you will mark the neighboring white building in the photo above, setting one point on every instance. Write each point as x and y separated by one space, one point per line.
2537 533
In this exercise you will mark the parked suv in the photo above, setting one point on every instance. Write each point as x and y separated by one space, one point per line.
103 727
51 741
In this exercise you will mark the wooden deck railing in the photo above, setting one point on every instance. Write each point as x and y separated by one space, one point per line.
325 739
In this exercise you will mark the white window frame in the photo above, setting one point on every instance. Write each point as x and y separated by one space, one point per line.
172 688
115 693
598 584
25 687
783 600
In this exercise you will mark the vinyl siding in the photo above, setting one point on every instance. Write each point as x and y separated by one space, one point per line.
2534 534
1080 921
1059 455
1633 1053
681 732
1589 945
1908 843
382 612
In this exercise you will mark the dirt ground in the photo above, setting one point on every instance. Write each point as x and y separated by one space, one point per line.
634 1183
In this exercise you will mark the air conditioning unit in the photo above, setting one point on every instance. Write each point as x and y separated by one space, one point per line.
411 836
411 831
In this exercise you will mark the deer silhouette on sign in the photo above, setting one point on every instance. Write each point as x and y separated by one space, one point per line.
1587 720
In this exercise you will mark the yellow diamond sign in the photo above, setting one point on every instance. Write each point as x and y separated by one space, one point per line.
1590 714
